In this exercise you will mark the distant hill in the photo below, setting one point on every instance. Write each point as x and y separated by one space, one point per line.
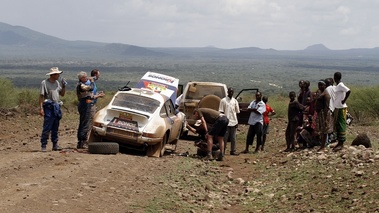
317 47
17 41
21 42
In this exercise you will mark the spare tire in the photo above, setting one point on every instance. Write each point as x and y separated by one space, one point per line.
210 101
103 148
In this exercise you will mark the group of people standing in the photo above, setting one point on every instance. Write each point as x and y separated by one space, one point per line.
314 118
311 115
50 105
222 124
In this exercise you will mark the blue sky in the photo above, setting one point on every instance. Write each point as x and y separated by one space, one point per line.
277 24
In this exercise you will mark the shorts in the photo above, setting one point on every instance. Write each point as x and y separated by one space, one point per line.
219 127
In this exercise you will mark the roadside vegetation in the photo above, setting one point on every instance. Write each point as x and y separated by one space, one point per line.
363 101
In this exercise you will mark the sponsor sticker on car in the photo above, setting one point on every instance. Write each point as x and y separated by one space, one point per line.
124 124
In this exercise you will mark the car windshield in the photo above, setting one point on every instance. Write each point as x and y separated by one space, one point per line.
136 102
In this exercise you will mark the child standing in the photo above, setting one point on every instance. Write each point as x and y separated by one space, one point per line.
294 108
266 121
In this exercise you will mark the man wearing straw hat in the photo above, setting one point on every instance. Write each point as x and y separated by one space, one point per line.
50 107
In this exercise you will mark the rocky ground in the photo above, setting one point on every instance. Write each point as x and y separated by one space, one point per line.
270 181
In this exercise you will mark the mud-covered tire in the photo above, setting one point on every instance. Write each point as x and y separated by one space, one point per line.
157 150
103 148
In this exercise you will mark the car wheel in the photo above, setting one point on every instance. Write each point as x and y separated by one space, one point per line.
158 149
163 145
174 143
103 148
210 101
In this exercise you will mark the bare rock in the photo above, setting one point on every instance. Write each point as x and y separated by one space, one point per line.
362 139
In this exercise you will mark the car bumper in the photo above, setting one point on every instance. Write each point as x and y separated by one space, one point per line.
125 137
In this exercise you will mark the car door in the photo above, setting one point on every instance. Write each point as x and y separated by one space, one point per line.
173 120
244 98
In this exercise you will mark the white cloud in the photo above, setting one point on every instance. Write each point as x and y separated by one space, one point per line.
278 24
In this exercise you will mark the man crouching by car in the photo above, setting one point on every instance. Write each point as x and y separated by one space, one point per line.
85 97
218 123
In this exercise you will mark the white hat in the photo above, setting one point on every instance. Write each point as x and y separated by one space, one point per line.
54 70
198 123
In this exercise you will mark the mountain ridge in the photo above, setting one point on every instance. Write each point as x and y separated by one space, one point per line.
19 41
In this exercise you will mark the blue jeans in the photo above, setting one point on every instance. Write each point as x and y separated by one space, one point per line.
84 110
50 124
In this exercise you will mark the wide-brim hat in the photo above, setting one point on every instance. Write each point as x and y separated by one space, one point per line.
198 123
54 70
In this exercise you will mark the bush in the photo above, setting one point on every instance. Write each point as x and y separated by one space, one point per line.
279 104
7 94
363 104
27 99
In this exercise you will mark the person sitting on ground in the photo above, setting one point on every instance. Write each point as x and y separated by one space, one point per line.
305 137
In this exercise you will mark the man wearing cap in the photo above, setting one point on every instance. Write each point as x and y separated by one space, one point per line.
199 129
50 107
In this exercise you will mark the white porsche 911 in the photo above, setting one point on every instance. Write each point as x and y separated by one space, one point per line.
142 118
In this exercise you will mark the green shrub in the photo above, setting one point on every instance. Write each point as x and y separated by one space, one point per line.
27 100
279 104
28 97
7 94
363 104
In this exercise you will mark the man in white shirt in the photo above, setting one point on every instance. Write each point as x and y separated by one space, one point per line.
341 93
229 107
256 109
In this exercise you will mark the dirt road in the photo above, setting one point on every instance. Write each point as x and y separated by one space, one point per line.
72 181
